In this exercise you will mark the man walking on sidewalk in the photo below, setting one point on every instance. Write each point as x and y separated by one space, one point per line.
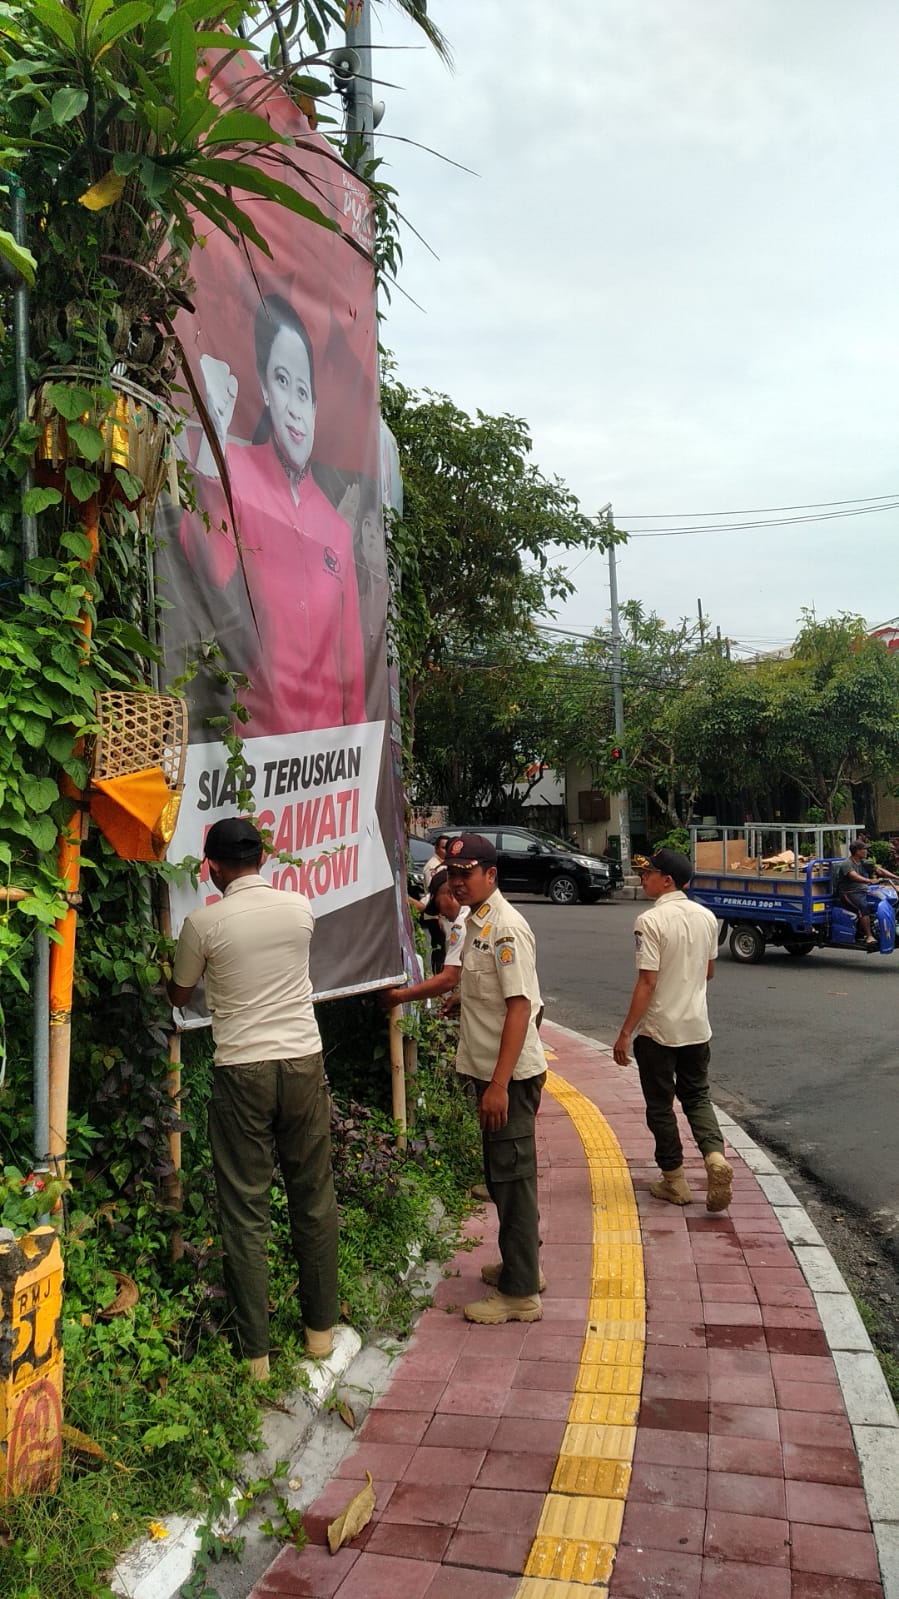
269 1091
677 944
499 1048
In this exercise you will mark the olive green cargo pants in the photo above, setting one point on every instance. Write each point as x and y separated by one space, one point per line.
666 1071
510 1169
260 1111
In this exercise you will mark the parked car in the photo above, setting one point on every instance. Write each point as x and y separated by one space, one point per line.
538 863
419 853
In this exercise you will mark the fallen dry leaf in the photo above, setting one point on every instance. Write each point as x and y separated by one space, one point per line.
346 1414
357 1515
85 1450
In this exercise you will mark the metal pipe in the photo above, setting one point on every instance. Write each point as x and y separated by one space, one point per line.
360 121
40 983
41 1047
62 955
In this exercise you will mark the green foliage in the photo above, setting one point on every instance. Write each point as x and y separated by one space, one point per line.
677 838
809 725
127 134
880 852
159 1388
472 556
658 664
485 720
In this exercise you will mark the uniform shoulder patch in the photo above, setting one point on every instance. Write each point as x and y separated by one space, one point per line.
638 939
482 911
505 949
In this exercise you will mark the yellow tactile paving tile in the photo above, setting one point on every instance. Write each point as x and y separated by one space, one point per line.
634 1331
577 1536
613 1260
619 1310
619 1409
549 1588
582 1517
573 1559
603 1442
584 1474
627 1287
612 1351
601 1379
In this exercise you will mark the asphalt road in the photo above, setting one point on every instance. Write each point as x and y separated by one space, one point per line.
805 1053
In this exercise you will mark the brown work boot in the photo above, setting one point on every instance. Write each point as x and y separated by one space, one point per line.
673 1187
318 1344
481 1192
499 1308
491 1275
259 1368
719 1187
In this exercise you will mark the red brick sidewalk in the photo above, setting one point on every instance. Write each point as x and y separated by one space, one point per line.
745 1481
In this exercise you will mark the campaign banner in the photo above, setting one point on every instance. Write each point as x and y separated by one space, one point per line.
274 588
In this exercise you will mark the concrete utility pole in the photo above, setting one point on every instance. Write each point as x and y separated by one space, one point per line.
621 798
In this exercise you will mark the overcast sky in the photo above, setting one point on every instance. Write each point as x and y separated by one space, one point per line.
679 262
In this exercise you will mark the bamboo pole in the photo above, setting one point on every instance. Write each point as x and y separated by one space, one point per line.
410 1065
397 1073
62 952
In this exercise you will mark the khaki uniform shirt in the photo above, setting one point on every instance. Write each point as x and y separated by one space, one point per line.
252 949
677 938
498 963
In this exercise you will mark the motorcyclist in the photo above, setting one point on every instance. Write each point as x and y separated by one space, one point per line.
852 879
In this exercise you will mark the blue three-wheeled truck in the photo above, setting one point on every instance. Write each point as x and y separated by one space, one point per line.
772 883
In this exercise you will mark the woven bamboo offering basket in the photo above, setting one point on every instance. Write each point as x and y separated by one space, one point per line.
138 731
136 431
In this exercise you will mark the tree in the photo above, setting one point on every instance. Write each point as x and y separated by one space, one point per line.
484 725
474 554
657 664
834 713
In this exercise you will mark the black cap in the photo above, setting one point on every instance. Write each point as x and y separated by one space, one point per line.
233 839
671 863
438 881
468 850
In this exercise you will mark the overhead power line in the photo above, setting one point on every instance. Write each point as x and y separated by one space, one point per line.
747 527
757 510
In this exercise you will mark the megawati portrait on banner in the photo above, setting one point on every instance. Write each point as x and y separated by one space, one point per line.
278 577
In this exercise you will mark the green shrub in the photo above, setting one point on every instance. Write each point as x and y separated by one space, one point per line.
159 1389
678 838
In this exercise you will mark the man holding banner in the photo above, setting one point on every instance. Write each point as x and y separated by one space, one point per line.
269 1089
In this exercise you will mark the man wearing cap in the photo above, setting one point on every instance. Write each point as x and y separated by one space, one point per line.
677 945
269 1091
851 881
499 1048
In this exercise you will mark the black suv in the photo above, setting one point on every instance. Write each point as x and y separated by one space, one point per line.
538 863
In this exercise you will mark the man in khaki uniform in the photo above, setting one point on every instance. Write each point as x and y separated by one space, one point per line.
677 944
269 1090
500 1050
